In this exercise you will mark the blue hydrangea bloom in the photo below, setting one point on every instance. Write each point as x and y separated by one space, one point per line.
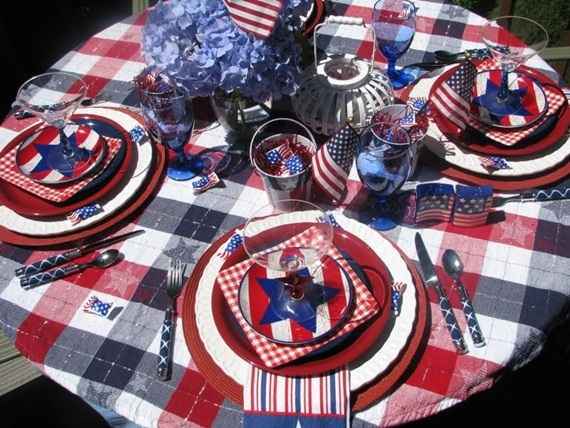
198 45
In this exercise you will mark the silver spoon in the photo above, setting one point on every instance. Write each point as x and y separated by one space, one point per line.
454 268
102 261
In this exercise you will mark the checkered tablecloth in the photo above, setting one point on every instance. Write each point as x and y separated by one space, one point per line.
516 270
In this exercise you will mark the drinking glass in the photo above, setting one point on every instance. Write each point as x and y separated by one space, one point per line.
170 120
384 163
53 97
394 23
512 40
293 239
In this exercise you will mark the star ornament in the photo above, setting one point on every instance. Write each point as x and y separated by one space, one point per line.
496 110
52 157
303 310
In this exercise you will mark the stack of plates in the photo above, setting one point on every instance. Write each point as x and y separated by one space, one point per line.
537 157
121 187
378 352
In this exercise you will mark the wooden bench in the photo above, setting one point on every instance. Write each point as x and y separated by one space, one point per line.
15 370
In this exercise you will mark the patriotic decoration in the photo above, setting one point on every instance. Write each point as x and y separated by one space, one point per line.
138 135
323 302
524 108
271 353
233 244
472 205
434 202
97 307
10 172
278 154
201 183
84 213
417 104
41 156
494 163
329 218
398 289
332 163
255 17
271 400
453 98
283 157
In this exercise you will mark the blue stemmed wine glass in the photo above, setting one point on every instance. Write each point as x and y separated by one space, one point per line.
384 163
169 117
394 22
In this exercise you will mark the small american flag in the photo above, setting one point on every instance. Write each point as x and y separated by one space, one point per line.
453 98
434 202
494 163
417 103
333 161
84 212
329 218
204 182
234 243
278 154
472 205
398 289
255 17
137 134
295 165
97 307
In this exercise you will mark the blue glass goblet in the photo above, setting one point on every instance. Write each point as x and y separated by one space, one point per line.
169 117
394 22
384 163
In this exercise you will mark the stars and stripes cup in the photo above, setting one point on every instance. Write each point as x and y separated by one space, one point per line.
283 159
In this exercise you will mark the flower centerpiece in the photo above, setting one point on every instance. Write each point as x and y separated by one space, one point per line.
199 46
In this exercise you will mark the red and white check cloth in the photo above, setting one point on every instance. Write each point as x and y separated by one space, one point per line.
509 137
9 171
271 353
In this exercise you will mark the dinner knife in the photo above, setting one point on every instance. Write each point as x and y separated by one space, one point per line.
431 280
59 259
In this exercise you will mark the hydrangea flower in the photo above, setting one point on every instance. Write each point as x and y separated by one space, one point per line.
199 46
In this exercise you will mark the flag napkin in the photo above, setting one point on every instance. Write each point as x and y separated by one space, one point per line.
332 162
271 353
9 171
434 202
255 17
270 400
472 205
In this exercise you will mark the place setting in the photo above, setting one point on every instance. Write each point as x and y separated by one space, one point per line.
77 171
495 121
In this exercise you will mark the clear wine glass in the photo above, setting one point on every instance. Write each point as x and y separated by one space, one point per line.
512 40
294 240
394 22
53 97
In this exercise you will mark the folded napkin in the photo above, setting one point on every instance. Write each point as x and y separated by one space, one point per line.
282 402
9 171
453 100
271 353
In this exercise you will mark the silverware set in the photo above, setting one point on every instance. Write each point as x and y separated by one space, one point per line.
51 269
174 284
454 268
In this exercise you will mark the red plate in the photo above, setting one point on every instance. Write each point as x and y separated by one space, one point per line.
27 204
472 140
365 397
108 225
345 351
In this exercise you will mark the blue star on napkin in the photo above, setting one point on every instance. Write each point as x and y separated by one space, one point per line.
513 107
52 157
282 307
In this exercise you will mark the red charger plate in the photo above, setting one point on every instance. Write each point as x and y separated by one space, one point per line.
362 399
27 204
360 340
108 225
494 149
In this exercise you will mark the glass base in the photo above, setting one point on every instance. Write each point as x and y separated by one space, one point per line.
182 170
403 77
387 212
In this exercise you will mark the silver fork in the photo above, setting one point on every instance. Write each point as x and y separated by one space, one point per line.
174 283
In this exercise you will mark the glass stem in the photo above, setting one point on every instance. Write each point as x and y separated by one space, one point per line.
66 149
392 67
180 155
503 93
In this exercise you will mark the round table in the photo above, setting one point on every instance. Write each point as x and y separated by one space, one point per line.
516 270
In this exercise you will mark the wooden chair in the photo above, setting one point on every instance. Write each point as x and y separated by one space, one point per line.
15 370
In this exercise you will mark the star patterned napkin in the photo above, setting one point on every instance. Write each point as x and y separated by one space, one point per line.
271 353
9 171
